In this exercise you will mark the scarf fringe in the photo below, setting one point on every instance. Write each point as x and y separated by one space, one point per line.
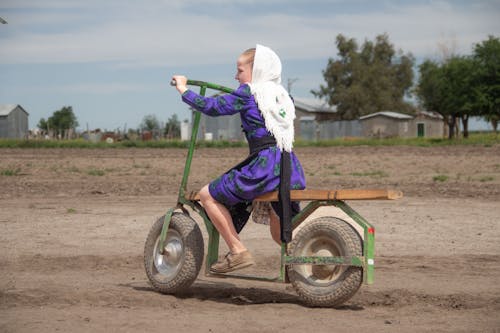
278 111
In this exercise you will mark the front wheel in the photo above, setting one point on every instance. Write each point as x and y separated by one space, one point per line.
325 285
177 268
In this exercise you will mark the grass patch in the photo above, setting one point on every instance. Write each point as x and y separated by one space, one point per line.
96 172
440 178
140 166
74 169
484 139
486 179
373 174
10 172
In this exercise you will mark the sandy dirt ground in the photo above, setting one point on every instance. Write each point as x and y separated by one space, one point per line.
73 225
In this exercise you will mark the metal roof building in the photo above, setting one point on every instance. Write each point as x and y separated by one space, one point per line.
13 121
388 114
316 120
394 124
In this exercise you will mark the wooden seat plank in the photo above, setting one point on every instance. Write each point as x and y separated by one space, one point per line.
309 195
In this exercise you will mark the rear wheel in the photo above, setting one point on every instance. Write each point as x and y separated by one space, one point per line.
326 285
177 268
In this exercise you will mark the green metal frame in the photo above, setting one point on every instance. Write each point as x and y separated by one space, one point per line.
366 261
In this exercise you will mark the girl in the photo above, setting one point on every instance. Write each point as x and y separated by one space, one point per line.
267 113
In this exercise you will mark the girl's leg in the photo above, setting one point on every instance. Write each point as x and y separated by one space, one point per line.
221 219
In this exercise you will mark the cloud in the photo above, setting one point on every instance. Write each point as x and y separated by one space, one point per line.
420 28
173 33
99 88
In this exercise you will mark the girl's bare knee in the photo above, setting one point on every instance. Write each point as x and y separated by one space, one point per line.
205 194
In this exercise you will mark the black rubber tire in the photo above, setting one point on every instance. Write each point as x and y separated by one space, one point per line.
325 285
175 272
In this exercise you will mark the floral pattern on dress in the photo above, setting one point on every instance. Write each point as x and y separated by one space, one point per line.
259 175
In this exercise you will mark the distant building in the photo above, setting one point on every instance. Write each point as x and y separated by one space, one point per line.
316 120
393 124
221 128
386 124
13 121
428 124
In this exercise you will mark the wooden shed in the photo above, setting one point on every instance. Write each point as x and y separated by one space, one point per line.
393 124
428 124
13 121
386 124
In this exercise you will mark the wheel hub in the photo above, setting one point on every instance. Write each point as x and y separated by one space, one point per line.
173 251
323 272
168 263
320 274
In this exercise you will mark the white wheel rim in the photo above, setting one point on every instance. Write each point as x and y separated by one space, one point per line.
319 275
169 263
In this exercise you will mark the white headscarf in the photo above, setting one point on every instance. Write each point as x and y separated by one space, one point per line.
273 100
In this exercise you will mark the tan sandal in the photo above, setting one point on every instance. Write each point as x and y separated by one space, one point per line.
232 262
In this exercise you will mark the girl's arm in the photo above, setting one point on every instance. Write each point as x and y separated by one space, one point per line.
227 104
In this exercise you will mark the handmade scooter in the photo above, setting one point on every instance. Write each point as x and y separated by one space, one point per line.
326 262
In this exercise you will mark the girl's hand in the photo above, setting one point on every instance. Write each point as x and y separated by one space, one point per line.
181 83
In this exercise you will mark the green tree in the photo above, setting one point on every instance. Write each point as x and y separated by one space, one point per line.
430 90
60 122
427 89
150 123
487 56
450 90
460 92
367 80
173 127
43 124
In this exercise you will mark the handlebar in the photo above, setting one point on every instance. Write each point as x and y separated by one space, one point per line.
203 84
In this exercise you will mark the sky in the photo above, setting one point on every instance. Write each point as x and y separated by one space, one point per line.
112 60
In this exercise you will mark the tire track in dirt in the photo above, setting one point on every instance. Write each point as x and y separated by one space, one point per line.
46 264
141 294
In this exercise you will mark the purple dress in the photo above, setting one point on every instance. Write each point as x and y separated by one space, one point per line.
260 172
